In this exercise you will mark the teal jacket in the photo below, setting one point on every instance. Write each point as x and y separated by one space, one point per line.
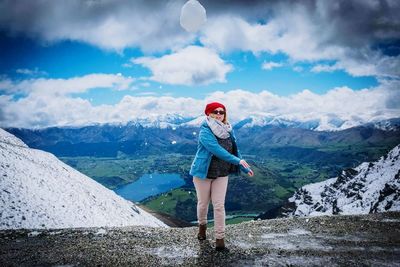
207 147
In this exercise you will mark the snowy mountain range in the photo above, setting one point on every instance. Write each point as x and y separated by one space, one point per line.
324 123
39 191
369 188
321 123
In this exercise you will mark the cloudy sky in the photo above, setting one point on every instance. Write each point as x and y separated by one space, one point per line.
96 61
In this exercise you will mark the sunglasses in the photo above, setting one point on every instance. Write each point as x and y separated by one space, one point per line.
222 112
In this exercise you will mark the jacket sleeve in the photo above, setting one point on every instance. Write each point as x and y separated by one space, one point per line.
209 141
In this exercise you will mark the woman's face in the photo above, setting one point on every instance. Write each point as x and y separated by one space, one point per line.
218 116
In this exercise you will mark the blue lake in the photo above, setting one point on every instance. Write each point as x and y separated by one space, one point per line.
150 185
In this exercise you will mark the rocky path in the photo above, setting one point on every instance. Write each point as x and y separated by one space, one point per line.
356 240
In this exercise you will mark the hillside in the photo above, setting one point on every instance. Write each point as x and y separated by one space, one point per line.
40 191
368 188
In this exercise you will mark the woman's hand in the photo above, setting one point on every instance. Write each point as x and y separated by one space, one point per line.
244 164
247 166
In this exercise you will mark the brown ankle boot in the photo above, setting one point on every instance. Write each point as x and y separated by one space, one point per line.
220 245
202 232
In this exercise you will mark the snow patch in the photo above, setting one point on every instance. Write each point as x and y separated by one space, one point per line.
38 191
370 187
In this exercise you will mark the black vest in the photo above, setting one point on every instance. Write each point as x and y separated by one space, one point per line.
219 167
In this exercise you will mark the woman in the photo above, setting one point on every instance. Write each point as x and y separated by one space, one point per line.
217 156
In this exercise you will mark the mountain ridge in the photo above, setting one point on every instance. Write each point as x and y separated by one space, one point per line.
136 139
173 120
370 187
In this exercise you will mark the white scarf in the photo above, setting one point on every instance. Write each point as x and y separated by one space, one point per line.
219 128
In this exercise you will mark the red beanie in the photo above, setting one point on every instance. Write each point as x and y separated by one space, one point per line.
212 106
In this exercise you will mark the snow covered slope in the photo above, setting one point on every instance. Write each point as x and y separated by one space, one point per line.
369 188
39 191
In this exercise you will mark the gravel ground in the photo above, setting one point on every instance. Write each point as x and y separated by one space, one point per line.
340 240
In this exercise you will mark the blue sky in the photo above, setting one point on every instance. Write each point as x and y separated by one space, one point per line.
58 60
109 63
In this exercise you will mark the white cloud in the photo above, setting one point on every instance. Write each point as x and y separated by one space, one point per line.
291 34
298 68
309 34
370 63
352 106
270 65
48 101
303 30
32 72
145 84
228 33
58 87
40 109
127 65
192 65
146 93
342 31
110 25
325 68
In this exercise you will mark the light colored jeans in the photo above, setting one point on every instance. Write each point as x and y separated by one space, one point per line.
214 189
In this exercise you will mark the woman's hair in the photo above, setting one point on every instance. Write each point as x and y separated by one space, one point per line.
225 120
